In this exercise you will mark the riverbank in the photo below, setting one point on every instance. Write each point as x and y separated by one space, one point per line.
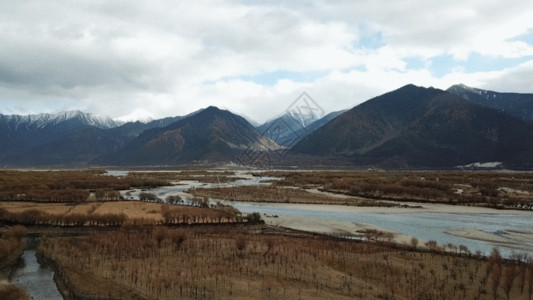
333 228
519 240
420 208
7 264
430 223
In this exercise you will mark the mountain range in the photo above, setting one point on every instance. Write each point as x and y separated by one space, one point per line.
411 127
518 105
211 135
422 127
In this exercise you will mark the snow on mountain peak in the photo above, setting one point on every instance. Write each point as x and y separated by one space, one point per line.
43 120
137 115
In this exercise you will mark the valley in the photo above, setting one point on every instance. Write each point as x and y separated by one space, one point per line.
419 193
275 234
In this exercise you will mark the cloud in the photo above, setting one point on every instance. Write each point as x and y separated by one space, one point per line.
164 58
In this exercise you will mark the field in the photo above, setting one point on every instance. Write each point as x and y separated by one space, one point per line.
243 264
114 213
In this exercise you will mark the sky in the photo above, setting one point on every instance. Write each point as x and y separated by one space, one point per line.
151 59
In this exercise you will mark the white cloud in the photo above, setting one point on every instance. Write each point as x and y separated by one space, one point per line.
162 58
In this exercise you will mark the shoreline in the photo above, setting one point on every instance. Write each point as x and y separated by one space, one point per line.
510 238
424 208
334 228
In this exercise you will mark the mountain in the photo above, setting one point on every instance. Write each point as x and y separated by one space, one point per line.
422 127
42 128
518 105
291 127
22 132
209 135
72 138
74 149
41 121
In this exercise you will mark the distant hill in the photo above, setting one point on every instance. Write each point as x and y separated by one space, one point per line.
422 127
290 128
210 135
516 104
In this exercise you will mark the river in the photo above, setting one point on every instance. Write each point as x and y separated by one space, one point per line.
37 281
425 226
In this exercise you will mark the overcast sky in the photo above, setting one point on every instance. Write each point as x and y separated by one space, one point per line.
136 59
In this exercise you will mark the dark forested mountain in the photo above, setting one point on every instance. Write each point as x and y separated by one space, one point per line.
422 127
22 132
519 105
71 138
210 135
412 127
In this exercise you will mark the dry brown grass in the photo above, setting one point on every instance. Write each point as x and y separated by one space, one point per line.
67 186
276 194
495 189
132 209
12 244
199 175
132 212
204 264
9 291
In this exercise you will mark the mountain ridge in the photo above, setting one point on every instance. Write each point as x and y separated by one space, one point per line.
421 127
516 104
210 135
410 127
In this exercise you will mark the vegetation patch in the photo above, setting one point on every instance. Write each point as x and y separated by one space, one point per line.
489 189
242 264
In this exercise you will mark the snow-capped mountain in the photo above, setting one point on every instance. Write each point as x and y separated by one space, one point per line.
293 126
40 121
20 133
518 105
67 138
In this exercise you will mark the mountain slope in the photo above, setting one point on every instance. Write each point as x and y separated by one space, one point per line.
42 128
66 144
75 149
422 127
369 124
290 128
518 105
210 135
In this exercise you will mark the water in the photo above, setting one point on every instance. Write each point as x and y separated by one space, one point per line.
181 187
117 173
426 226
37 281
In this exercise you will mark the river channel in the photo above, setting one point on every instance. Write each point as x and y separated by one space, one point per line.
37 281
423 225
